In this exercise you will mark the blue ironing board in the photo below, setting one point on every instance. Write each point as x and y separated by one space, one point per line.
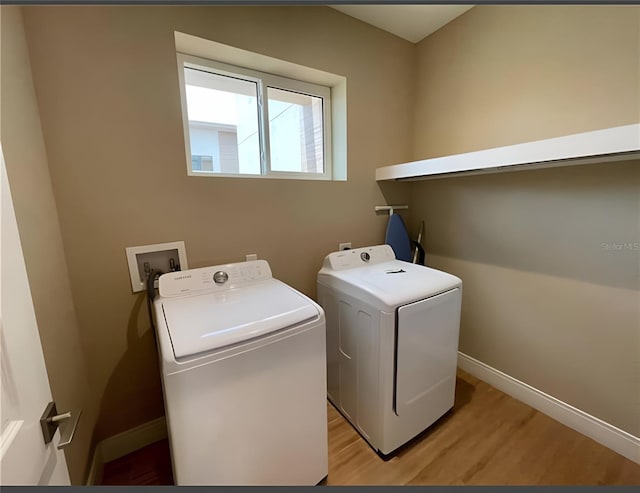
398 238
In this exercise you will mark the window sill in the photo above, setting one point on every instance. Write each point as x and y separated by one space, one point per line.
273 176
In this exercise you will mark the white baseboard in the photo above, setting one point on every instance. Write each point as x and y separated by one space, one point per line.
95 471
602 432
124 443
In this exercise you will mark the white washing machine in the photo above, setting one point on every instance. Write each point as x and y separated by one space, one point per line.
392 342
243 366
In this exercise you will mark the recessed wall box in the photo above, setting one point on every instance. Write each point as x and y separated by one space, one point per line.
162 257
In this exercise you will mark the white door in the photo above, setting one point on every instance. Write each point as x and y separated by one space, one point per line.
24 457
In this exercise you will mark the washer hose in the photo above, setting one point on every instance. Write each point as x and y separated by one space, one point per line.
151 294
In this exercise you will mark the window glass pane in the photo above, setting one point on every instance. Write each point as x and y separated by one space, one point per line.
295 132
223 123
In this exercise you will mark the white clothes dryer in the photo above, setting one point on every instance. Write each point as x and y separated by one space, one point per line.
243 367
392 341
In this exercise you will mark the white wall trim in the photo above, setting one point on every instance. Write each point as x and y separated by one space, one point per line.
124 443
602 432
95 471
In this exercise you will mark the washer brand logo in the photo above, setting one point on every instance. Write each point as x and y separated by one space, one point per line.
179 278
398 271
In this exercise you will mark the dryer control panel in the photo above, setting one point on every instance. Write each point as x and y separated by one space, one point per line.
358 257
214 278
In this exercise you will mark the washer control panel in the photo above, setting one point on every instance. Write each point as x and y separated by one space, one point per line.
358 257
215 278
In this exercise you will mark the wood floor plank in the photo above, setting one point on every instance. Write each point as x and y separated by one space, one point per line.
488 439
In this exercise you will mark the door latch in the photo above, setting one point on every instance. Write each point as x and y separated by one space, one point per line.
67 422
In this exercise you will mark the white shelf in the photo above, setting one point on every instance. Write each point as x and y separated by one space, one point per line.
606 145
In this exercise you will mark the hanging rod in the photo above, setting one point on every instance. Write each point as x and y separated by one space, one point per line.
390 208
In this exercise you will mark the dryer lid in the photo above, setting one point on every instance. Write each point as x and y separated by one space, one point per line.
208 321
396 283
372 274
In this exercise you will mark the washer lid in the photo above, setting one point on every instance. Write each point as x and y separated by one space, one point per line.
212 320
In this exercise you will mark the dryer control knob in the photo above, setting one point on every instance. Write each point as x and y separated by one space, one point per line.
220 277
365 256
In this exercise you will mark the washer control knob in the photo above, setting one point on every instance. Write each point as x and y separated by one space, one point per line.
365 256
220 277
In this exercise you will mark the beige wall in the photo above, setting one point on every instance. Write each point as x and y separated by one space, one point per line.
107 84
545 299
42 244
500 75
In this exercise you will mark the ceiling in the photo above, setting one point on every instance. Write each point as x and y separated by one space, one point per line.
411 22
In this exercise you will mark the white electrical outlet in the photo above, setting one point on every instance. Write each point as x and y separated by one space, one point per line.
344 246
250 256
162 257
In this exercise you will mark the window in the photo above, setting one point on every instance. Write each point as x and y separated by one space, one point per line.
241 122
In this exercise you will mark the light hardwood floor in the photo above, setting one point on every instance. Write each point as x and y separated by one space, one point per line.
488 439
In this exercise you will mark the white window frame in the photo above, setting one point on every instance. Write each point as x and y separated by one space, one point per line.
263 80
